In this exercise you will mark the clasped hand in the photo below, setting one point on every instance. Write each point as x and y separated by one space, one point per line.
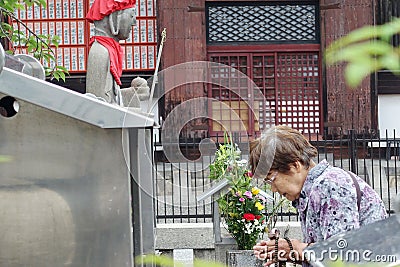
265 250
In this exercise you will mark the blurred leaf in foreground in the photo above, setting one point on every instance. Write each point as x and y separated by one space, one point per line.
366 50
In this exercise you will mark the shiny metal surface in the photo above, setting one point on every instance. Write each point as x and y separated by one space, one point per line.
2 58
65 194
32 66
67 102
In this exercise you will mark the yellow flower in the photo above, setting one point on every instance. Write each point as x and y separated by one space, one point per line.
255 191
259 206
232 214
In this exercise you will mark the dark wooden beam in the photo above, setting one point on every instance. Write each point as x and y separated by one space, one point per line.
330 6
195 9
322 7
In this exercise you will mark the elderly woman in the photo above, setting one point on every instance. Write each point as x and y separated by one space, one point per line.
329 200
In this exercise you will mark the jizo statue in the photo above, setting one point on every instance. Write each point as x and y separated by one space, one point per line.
113 21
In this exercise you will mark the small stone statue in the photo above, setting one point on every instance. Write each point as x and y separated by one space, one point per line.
113 21
141 88
139 91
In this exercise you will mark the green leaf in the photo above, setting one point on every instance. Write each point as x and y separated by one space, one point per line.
158 261
55 40
64 69
355 72
358 35
56 75
389 29
355 51
203 263
390 61
62 75
43 3
48 57
5 158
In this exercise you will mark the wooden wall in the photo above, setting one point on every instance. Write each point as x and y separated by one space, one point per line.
349 107
186 42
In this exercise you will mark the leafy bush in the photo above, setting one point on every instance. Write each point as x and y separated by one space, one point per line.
37 45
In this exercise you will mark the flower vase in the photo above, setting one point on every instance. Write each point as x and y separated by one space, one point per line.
242 258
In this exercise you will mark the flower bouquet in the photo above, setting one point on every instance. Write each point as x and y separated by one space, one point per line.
248 210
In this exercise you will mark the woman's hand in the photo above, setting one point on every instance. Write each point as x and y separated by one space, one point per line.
265 250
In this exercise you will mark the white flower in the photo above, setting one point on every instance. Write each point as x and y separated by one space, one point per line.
242 163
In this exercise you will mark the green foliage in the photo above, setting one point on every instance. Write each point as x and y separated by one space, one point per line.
12 5
159 260
37 45
246 212
4 158
227 154
365 51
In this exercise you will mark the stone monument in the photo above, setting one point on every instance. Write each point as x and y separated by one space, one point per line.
72 192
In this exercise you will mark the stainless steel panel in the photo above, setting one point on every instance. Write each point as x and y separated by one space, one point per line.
65 196
70 103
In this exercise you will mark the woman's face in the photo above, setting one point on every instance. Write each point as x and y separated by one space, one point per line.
288 184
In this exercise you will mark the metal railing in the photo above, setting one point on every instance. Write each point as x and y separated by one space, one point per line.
373 157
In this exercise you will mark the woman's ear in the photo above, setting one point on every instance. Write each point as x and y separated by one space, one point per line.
296 167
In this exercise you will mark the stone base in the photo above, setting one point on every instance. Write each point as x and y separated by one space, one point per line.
242 258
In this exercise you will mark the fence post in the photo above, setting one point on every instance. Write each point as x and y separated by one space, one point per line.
353 150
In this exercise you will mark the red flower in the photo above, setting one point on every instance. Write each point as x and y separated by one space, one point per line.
249 216
258 217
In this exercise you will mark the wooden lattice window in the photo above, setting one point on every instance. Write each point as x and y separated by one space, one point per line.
267 22
286 91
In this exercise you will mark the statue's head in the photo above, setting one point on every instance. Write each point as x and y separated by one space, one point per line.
114 17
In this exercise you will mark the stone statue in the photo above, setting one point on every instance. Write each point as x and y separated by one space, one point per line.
141 88
113 21
132 96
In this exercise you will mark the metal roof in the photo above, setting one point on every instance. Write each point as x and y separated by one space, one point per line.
70 103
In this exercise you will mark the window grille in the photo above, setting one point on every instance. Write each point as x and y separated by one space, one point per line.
287 91
264 22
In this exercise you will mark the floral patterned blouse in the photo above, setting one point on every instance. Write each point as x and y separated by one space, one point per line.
328 203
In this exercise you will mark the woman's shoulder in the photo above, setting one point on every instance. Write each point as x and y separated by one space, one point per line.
332 177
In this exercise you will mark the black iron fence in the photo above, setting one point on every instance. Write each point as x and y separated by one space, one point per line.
181 180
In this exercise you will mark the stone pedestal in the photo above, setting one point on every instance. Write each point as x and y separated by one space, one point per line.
242 258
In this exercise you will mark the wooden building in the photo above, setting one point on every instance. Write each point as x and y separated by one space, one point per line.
277 46
280 46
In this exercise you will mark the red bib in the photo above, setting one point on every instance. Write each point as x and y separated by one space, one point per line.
116 55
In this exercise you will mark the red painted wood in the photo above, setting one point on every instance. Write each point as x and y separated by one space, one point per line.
263 48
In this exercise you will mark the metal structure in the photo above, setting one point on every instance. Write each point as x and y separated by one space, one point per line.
180 184
78 190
